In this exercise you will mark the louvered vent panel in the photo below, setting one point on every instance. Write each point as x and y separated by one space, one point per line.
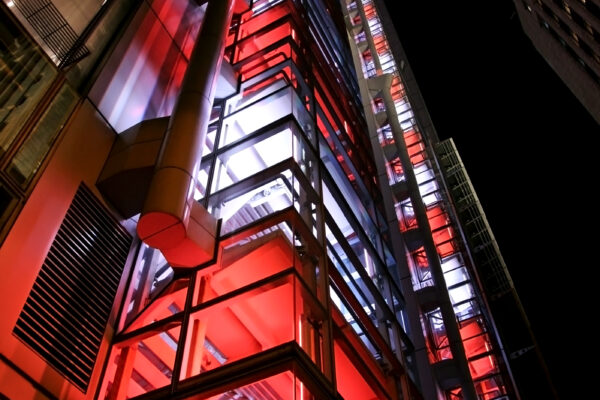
65 315
54 30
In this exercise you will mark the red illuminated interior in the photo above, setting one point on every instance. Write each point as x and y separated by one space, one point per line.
477 348
232 329
284 385
351 383
481 358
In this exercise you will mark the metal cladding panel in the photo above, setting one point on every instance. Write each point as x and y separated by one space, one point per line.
65 315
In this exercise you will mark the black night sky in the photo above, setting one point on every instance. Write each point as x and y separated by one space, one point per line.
526 143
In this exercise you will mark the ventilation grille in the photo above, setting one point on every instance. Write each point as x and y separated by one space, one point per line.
53 29
65 315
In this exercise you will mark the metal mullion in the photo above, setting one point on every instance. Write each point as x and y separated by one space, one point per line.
278 278
360 269
354 283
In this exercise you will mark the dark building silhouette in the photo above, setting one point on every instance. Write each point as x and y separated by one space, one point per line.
567 34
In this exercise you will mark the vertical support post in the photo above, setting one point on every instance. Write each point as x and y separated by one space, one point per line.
370 44
192 358
423 369
120 384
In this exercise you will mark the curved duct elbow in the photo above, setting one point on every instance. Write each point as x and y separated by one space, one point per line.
184 241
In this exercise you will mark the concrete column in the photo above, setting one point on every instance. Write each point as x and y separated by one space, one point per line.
367 29
424 370
448 316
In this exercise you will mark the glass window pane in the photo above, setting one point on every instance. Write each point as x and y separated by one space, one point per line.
31 154
7 202
256 116
25 74
142 77
236 328
461 293
248 206
456 276
248 159
143 366
182 20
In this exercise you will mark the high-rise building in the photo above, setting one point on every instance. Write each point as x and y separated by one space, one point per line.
567 34
234 199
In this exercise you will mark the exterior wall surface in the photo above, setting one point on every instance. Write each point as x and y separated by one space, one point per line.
567 36
78 157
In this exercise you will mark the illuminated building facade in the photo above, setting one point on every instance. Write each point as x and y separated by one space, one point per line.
229 200
567 34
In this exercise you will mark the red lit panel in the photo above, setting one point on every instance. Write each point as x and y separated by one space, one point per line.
411 137
256 324
252 264
395 169
420 258
327 111
397 89
349 131
487 389
444 242
323 130
369 9
483 366
415 149
437 218
159 309
267 60
254 44
142 366
350 382
431 356
456 394
182 20
251 24
491 388
444 353
330 106
442 232
239 327
418 158
279 77
477 343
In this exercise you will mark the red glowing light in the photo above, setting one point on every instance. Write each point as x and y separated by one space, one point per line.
351 384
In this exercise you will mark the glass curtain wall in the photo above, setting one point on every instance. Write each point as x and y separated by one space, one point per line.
301 264
35 104
485 362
